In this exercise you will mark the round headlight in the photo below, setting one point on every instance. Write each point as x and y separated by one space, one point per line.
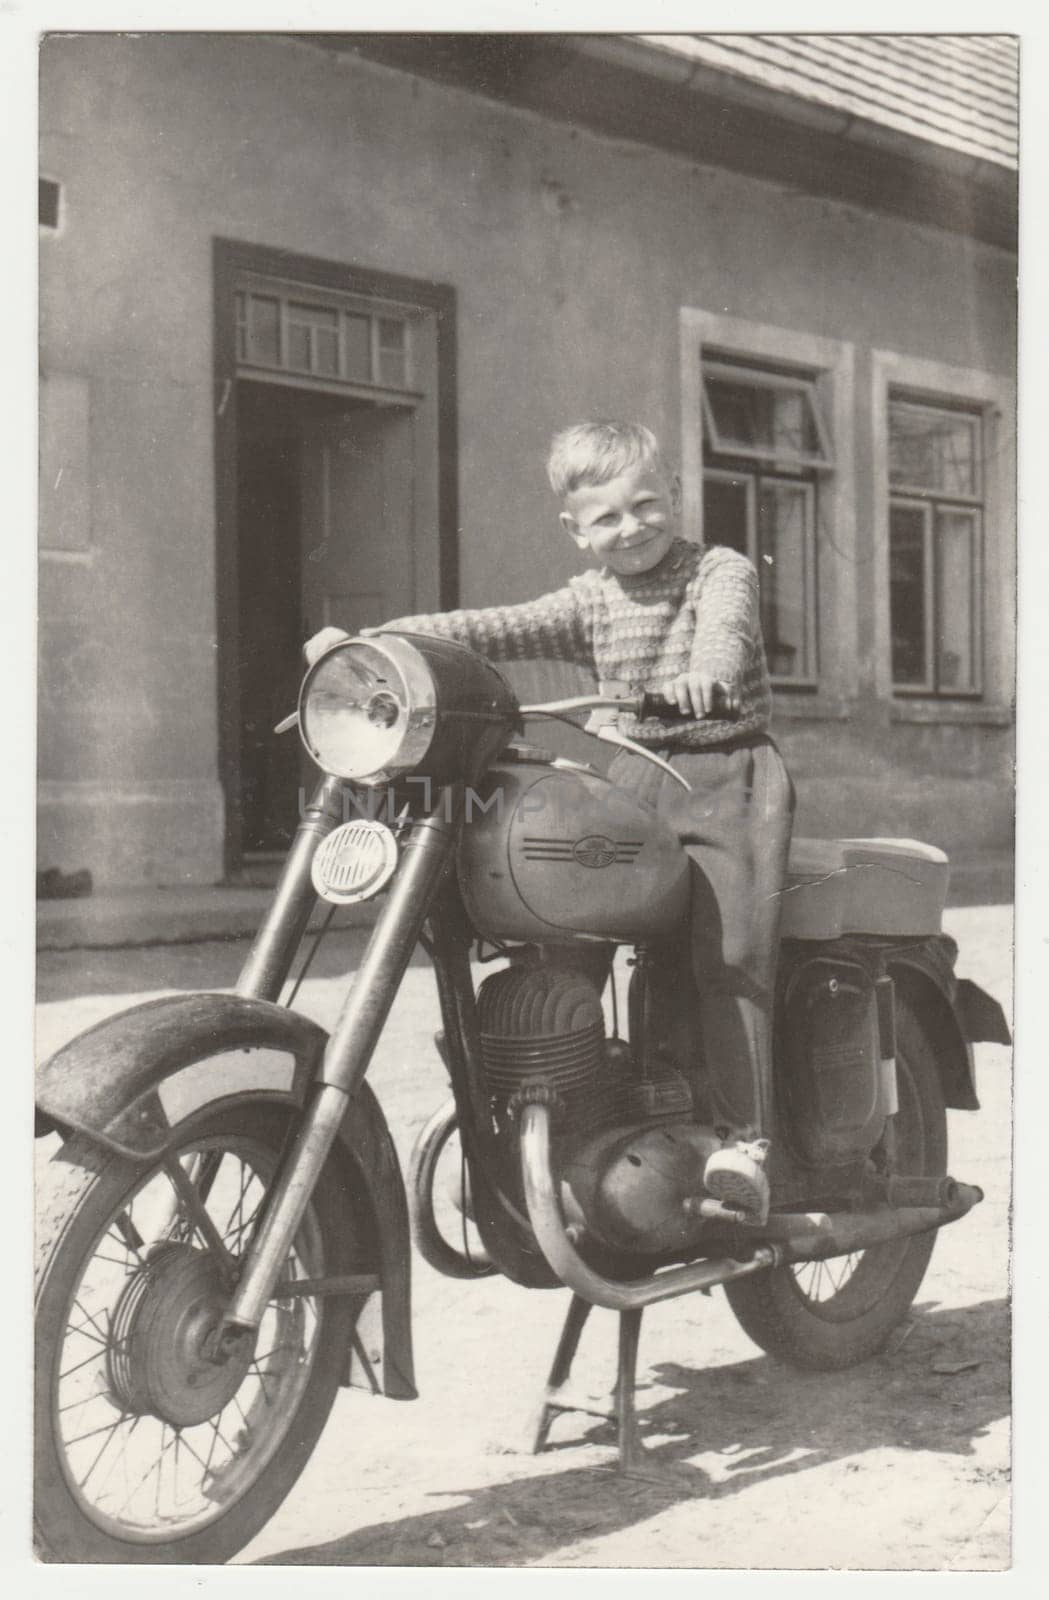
367 710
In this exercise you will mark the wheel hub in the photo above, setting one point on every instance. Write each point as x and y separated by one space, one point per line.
165 1326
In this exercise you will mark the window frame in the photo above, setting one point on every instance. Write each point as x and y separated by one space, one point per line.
932 504
708 340
754 477
900 379
910 502
292 296
764 379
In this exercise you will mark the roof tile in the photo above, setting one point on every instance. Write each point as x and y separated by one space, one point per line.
955 90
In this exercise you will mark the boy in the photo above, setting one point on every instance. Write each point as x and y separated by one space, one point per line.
660 613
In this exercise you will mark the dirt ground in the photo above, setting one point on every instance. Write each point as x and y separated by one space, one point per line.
893 1465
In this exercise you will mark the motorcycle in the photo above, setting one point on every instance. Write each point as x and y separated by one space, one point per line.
226 1200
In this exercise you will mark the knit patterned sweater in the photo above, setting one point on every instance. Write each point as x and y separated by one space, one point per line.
697 611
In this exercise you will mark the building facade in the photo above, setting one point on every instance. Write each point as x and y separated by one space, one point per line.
311 307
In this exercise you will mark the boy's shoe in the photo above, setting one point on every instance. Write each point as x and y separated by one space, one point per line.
736 1176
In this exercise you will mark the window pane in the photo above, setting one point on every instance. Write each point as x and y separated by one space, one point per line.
955 540
725 512
326 351
777 421
241 314
357 339
298 346
783 517
935 450
391 333
908 600
393 352
392 368
313 333
264 330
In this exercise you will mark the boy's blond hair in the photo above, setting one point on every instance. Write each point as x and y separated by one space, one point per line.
595 452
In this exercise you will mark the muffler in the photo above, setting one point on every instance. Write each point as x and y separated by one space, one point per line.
813 1235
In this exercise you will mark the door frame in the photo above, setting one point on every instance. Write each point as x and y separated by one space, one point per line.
233 256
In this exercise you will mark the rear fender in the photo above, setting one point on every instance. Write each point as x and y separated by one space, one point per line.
955 1013
132 1081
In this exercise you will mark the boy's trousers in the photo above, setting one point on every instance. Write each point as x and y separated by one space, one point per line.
736 826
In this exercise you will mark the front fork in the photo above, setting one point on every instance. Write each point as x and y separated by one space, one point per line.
425 856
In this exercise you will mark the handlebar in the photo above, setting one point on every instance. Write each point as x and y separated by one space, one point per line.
643 706
669 711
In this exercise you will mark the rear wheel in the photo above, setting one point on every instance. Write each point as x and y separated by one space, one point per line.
147 1450
835 1313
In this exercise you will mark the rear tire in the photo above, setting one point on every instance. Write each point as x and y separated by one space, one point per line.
852 1323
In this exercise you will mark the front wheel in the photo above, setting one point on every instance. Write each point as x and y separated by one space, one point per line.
147 1450
832 1314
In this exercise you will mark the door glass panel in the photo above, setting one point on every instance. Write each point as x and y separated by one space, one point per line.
393 352
298 346
313 333
783 515
955 540
908 600
933 450
357 343
326 351
725 512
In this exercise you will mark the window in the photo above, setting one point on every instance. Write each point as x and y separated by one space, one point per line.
49 199
766 443
935 547
333 340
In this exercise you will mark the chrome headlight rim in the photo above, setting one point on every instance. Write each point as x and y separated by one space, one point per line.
418 700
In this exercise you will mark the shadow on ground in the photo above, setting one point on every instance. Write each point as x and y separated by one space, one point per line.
765 1421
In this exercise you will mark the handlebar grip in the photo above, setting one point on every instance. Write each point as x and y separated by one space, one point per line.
664 710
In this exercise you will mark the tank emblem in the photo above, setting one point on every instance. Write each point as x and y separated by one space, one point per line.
596 850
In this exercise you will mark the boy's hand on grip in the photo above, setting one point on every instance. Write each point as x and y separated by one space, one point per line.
322 641
700 694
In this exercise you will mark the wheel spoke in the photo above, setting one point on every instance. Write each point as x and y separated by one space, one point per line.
101 1334
92 1433
111 1434
202 1218
236 1235
154 1467
821 1281
129 1234
96 1355
257 1372
186 1445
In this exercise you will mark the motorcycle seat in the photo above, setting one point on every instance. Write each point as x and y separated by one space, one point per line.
895 887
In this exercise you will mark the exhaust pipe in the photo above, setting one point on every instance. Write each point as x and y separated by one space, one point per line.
544 1213
812 1235
786 1237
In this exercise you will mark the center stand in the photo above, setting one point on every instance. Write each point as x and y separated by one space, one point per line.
633 1460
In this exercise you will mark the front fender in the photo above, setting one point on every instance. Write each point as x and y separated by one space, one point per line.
132 1081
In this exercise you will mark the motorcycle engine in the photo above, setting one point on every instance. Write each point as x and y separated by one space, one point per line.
543 1037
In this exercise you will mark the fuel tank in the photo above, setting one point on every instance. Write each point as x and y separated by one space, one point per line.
555 853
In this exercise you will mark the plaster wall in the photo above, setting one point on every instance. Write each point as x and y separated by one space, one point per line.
571 256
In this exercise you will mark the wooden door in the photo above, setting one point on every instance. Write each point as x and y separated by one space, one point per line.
358 518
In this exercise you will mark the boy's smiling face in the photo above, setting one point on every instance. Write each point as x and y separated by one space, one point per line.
629 522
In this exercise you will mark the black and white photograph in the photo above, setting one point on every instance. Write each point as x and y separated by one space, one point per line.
525 682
